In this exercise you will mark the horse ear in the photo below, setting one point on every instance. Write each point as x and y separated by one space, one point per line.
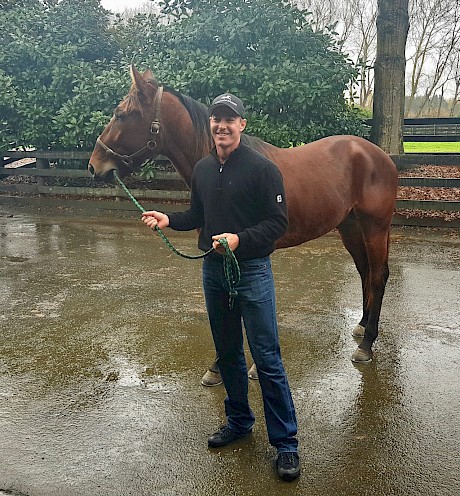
142 85
136 77
150 78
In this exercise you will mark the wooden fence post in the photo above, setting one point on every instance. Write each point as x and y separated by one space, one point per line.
42 163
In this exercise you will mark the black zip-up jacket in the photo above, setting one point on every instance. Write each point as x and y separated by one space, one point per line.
245 196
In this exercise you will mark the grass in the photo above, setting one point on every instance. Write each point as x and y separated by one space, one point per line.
432 147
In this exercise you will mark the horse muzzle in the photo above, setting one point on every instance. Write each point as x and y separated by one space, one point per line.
105 175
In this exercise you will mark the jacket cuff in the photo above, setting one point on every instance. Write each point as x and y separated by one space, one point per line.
244 237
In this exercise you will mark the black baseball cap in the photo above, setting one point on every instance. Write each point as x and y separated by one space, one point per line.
230 101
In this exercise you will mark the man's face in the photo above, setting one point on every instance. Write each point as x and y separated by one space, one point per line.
226 127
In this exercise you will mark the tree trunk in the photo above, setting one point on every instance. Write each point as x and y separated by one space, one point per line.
455 98
390 67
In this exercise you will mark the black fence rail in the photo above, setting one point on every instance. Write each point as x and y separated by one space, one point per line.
426 129
41 168
432 133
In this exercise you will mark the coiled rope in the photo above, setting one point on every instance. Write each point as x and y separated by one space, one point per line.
231 266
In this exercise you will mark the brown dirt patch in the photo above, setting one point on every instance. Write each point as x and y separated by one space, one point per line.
417 193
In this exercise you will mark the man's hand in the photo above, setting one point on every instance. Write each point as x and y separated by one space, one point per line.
232 239
154 218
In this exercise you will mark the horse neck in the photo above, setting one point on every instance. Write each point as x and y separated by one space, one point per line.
180 138
271 152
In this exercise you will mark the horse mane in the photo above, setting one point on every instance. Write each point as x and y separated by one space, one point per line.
256 143
131 101
199 114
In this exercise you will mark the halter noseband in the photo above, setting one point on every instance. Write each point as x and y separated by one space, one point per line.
151 144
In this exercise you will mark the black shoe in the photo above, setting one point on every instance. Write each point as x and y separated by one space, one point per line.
288 466
224 436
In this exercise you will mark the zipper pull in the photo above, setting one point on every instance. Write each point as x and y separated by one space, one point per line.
219 185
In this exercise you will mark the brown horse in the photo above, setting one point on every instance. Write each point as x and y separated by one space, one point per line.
342 182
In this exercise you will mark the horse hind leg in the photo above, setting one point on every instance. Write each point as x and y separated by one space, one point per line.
377 243
369 249
353 241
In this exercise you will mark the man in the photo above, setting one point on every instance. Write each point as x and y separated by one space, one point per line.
238 194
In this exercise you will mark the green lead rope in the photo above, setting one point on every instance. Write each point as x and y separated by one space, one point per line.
231 267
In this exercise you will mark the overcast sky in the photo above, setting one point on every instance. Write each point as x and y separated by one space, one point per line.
121 5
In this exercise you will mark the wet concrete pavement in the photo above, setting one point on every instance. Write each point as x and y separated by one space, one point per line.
104 339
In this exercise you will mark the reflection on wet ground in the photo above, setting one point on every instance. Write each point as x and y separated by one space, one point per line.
104 339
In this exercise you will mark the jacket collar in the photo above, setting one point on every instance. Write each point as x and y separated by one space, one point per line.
235 153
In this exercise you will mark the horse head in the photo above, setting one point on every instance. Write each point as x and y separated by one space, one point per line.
133 133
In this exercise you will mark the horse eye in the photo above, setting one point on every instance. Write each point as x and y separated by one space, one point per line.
119 115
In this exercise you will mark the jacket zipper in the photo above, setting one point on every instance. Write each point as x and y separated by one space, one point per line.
219 185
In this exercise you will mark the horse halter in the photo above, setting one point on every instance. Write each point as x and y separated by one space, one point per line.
151 144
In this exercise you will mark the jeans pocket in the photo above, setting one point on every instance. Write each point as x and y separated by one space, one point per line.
255 264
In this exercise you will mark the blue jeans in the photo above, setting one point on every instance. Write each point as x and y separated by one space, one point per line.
255 306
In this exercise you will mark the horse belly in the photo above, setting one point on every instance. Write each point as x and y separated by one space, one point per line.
313 216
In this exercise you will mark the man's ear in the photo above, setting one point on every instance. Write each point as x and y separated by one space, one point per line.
243 123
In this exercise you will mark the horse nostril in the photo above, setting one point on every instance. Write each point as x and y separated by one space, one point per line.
91 170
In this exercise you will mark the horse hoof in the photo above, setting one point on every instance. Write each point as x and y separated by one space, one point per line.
362 356
358 331
252 373
211 379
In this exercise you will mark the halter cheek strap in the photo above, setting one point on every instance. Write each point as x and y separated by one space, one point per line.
151 144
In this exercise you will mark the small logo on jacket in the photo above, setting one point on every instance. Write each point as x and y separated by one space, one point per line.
279 198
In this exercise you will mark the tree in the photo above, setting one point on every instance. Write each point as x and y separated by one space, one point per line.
456 80
434 41
390 65
63 67
291 78
354 24
52 56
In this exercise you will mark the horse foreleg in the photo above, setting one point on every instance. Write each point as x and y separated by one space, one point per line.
212 376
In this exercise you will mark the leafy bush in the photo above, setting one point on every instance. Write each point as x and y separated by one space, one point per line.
63 67
55 58
291 78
